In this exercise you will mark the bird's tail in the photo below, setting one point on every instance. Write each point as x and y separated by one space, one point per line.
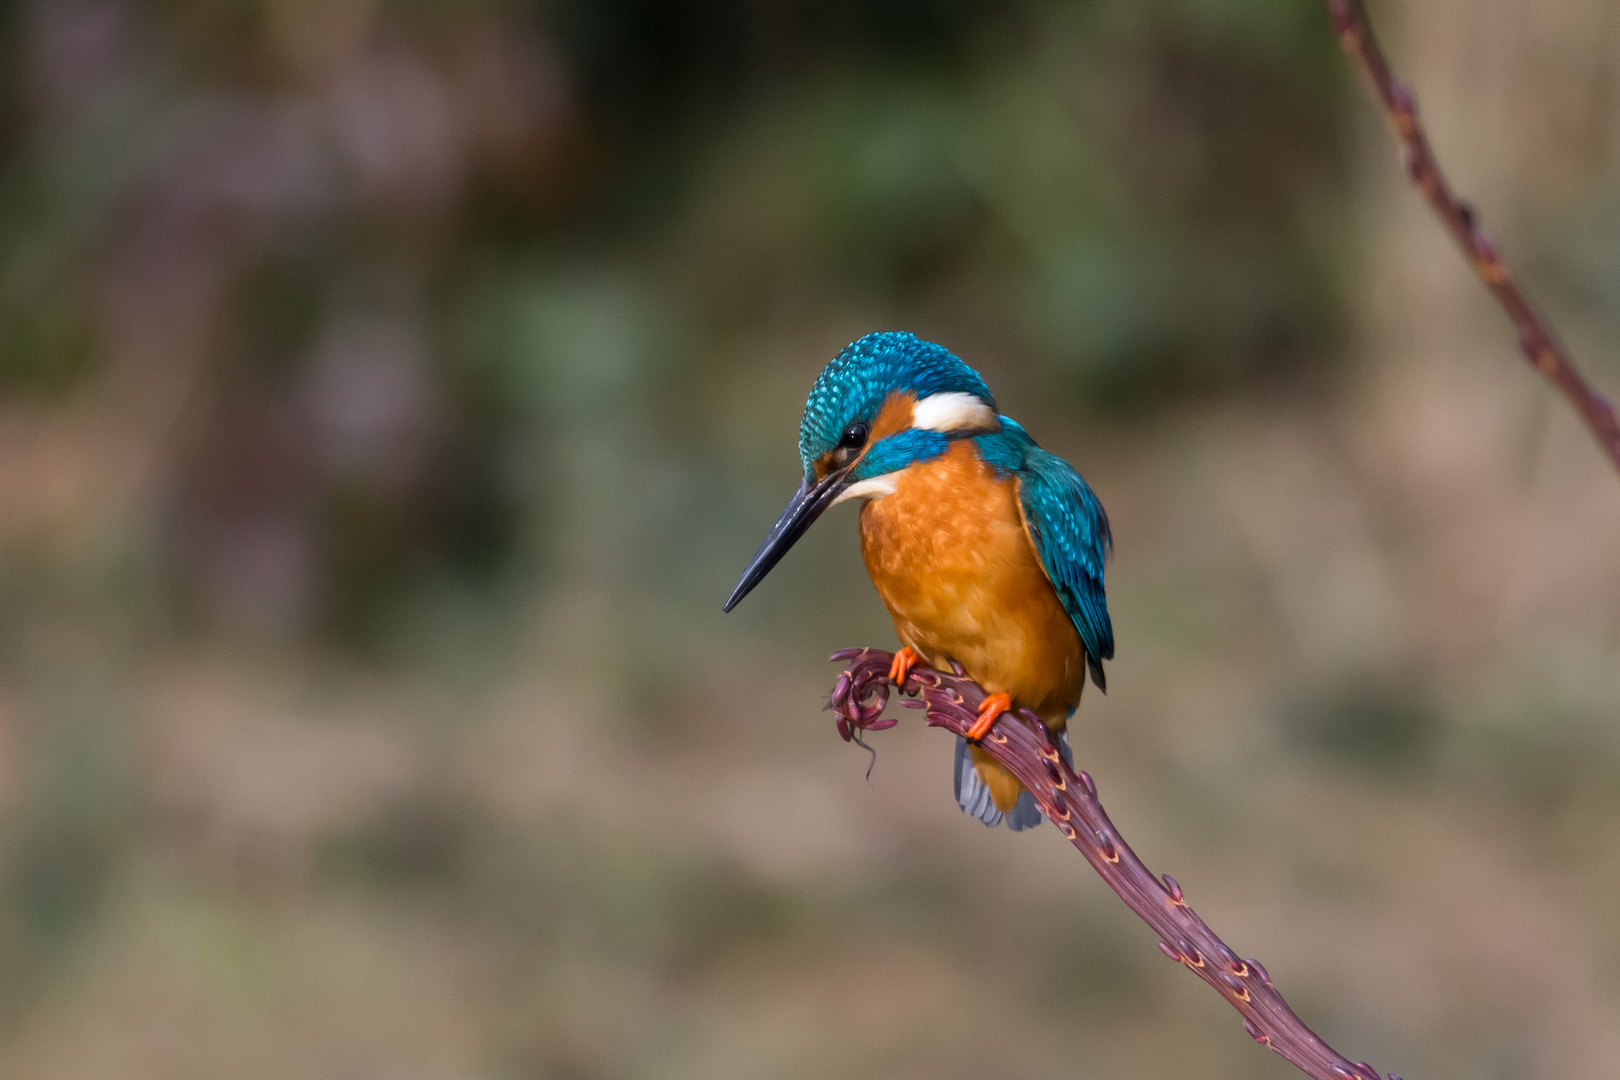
973 796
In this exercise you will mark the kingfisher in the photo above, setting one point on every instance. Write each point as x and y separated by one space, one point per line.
986 549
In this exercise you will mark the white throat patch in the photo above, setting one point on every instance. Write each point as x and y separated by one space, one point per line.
875 488
953 412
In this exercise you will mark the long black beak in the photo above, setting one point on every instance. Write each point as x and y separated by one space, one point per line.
807 504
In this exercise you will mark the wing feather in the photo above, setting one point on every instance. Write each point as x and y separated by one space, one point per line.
1070 531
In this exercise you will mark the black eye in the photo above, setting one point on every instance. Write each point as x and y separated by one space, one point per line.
854 437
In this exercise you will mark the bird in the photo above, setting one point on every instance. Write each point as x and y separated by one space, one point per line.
986 549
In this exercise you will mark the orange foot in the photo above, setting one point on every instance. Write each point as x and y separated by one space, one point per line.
990 708
904 660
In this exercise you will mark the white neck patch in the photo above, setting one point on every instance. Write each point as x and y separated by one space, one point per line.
953 412
875 488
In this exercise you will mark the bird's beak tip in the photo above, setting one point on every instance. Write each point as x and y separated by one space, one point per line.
808 502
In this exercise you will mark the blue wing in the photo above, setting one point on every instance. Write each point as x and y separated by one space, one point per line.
1070 532
1071 536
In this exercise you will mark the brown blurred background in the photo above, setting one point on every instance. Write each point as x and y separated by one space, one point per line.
391 391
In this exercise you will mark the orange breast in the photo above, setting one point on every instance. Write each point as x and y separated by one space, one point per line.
951 559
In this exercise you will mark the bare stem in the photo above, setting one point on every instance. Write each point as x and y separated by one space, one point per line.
1069 799
1541 347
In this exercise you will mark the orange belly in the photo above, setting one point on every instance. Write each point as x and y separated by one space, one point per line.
954 565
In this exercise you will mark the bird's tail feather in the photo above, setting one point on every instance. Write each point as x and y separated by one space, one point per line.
971 793
974 797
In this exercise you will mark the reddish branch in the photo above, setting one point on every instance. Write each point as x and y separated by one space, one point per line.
1069 799
1536 338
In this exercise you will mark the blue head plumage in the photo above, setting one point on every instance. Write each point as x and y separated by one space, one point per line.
833 436
853 387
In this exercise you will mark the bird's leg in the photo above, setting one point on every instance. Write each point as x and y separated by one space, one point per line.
990 708
904 660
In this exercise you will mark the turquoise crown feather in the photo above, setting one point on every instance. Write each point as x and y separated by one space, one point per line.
854 385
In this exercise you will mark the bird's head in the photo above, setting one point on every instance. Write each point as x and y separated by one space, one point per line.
884 403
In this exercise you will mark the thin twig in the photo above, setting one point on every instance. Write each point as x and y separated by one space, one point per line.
1541 347
1021 742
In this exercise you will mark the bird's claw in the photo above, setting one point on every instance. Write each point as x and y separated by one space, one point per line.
900 668
990 708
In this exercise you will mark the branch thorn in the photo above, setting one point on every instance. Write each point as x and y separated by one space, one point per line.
1175 888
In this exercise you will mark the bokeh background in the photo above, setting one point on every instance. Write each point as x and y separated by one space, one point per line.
391 391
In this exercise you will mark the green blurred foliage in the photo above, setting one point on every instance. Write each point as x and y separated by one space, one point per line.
1139 198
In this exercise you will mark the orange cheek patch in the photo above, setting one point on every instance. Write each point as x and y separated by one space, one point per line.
894 417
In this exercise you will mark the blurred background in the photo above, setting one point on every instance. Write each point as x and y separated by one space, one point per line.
392 390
